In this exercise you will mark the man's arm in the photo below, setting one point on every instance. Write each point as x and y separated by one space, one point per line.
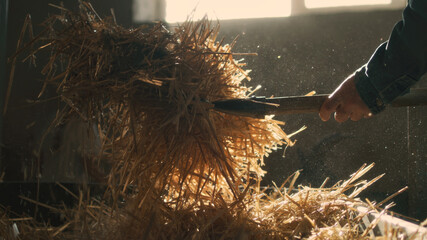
395 66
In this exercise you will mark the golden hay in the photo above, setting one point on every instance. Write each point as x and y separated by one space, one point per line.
179 169
148 91
309 213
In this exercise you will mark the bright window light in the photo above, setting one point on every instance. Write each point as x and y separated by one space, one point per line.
342 3
179 10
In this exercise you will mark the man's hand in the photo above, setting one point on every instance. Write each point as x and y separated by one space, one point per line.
345 102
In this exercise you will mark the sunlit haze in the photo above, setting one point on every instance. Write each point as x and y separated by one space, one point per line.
179 10
342 3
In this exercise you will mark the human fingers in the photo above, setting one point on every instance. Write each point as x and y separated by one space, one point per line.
341 114
329 106
356 116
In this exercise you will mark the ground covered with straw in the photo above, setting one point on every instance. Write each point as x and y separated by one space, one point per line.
178 169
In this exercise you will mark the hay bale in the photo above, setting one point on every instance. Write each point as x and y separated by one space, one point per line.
149 91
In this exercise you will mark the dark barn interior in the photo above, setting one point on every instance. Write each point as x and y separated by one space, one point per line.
296 55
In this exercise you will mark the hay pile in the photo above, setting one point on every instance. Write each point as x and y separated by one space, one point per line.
276 213
179 169
148 92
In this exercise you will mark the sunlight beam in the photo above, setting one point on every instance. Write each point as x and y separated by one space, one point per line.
178 11
343 3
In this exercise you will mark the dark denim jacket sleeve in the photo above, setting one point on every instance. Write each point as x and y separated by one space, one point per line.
398 63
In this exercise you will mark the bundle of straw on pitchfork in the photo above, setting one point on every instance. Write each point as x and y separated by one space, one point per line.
149 92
